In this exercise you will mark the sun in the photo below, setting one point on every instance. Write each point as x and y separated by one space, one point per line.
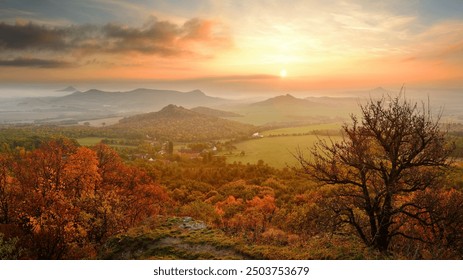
283 73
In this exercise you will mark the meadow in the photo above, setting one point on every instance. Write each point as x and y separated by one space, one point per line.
277 151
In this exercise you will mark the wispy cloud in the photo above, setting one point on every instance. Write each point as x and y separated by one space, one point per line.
442 41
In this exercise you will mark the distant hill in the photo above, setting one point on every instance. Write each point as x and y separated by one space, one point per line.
380 90
179 124
285 101
337 101
138 100
99 104
287 110
214 112
377 92
68 89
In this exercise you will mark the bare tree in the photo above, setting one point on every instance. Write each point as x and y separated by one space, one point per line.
394 152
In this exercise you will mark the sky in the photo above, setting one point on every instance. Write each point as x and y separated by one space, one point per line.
226 47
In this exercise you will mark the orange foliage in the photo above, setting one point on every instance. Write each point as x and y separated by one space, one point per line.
438 225
70 199
250 217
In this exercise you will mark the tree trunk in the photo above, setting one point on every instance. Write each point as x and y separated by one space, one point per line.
382 238
381 241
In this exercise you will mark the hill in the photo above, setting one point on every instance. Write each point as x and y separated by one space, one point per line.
138 100
214 112
179 124
68 89
286 110
98 104
340 104
287 102
376 92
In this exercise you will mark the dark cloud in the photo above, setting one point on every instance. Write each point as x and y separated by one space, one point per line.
162 38
157 38
34 62
30 36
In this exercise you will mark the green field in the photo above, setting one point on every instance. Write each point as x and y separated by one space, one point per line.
275 151
303 129
92 141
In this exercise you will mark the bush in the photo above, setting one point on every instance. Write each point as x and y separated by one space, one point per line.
9 249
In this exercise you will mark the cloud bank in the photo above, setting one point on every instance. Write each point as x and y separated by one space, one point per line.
42 44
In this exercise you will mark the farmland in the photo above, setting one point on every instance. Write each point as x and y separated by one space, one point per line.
277 151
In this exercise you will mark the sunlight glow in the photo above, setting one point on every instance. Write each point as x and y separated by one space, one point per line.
283 73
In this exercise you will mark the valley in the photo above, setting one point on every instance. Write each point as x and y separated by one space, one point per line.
232 169
150 117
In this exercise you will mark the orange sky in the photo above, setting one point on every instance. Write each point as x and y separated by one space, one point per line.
233 45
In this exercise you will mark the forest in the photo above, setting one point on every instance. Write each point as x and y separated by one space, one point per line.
389 186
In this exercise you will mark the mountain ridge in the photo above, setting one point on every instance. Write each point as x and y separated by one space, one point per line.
137 100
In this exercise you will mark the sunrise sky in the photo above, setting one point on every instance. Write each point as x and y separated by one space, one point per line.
232 46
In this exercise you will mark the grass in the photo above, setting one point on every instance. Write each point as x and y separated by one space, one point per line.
275 151
92 141
168 239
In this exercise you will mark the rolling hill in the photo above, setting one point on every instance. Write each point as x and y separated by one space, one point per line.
179 124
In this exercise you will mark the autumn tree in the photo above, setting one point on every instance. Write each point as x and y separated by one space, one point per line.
385 160
47 213
253 216
122 197
438 223
8 190
67 200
